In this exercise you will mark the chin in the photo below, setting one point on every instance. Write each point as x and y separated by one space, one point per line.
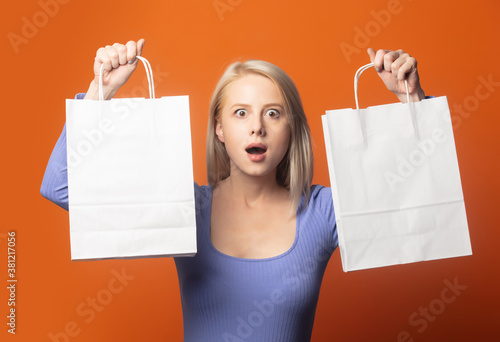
255 171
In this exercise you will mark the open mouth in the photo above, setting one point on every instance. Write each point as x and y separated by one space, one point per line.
256 150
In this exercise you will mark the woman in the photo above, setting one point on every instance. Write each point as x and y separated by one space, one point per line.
264 234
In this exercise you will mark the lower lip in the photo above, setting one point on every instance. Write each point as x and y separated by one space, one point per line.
256 157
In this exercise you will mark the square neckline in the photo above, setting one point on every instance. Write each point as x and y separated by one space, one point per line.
214 249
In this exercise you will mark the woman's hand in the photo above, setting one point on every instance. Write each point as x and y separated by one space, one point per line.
394 67
119 63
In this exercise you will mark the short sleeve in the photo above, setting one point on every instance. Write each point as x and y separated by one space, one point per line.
321 198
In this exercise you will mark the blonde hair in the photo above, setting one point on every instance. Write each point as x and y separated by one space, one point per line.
295 171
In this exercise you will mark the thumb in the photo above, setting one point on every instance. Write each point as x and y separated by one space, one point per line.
140 45
371 52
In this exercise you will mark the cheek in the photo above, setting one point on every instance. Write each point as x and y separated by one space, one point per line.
284 141
286 136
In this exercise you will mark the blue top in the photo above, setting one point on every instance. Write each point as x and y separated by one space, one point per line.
225 298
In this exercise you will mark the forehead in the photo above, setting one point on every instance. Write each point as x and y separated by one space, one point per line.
252 89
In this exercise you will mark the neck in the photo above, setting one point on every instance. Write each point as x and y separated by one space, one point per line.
252 189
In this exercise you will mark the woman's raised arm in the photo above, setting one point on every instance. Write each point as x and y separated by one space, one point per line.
119 63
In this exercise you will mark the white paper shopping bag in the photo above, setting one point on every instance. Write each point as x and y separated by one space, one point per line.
130 177
395 183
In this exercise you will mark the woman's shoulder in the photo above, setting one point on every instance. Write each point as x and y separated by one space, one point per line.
202 188
202 194
321 201
319 215
321 194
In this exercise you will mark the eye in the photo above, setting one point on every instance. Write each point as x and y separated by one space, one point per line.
240 113
273 113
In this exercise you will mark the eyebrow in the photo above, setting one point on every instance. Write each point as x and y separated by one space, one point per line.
266 105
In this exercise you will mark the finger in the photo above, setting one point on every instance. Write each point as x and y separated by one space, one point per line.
140 46
103 58
113 56
408 67
389 58
131 51
371 52
378 62
398 63
122 53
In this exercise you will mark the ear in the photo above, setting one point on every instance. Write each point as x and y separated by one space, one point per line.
218 131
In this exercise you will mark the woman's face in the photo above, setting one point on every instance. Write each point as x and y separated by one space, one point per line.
253 126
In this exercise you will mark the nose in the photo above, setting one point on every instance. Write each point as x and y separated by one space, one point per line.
257 126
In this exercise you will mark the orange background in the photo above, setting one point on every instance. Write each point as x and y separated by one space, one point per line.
189 45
